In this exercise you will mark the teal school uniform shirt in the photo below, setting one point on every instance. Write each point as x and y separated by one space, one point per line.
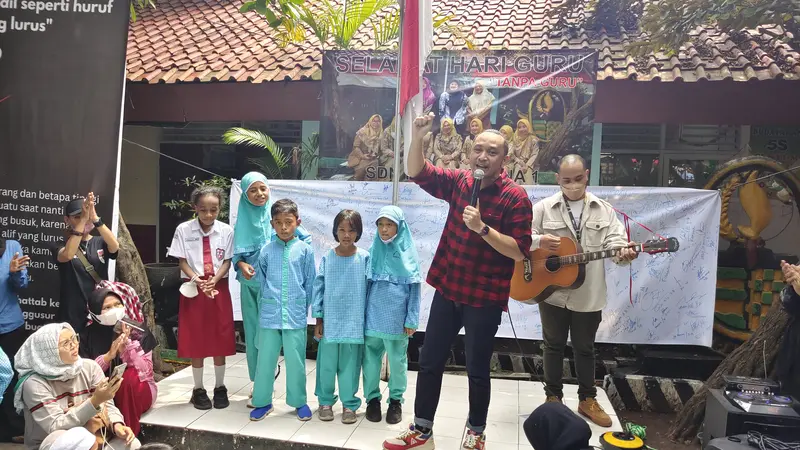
286 272
340 296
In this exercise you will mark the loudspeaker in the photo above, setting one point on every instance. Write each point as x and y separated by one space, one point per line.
723 418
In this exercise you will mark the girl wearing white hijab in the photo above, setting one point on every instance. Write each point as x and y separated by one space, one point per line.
55 391
479 105
78 438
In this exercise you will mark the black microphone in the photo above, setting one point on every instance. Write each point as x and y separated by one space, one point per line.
476 188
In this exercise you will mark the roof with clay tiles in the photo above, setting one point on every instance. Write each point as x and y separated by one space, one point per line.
183 41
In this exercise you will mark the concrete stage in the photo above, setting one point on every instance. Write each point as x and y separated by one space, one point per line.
175 421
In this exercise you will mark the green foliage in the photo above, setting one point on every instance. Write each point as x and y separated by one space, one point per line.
184 209
309 152
669 23
273 163
337 24
139 5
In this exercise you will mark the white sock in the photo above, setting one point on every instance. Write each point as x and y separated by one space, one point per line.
197 373
219 371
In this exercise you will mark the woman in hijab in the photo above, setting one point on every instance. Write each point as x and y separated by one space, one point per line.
386 159
524 150
428 97
507 133
365 148
475 128
453 105
553 426
110 343
58 390
446 146
479 105
251 232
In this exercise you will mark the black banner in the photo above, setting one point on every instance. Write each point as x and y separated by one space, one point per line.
62 72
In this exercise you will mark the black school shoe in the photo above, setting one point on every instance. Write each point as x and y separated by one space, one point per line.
374 410
221 398
395 412
200 399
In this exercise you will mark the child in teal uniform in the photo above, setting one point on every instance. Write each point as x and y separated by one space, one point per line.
392 311
286 271
251 232
340 295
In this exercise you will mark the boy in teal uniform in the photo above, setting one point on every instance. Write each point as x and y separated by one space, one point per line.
286 271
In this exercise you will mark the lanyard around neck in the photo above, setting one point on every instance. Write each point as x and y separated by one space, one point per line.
576 225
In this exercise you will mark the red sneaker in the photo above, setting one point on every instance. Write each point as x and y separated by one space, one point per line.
474 441
411 438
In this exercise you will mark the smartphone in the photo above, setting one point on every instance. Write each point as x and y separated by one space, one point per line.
131 324
118 371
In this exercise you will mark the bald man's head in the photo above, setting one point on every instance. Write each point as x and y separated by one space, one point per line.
573 176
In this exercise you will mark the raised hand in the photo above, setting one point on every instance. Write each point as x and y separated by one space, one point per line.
18 263
422 126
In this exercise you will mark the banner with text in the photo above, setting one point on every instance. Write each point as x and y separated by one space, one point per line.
540 100
672 297
62 72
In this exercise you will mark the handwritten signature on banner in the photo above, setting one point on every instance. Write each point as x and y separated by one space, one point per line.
673 293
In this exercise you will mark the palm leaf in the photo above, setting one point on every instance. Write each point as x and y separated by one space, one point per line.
255 138
386 30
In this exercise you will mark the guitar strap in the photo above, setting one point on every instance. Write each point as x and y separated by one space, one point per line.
576 225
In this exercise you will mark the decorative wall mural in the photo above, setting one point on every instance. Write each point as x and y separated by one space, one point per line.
749 278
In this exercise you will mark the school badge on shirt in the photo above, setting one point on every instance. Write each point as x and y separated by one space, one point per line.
100 255
220 254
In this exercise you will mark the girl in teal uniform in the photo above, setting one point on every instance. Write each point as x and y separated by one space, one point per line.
340 295
251 232
392 311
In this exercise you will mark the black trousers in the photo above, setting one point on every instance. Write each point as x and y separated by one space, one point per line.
557 324
445 321
11 423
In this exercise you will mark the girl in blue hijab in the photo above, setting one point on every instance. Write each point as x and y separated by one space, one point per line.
252 232
392 311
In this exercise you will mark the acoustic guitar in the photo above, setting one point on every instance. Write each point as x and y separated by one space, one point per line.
548 271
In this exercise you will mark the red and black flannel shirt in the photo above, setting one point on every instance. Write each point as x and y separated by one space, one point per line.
465 268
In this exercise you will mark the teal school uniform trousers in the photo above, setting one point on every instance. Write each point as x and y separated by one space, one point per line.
294 353
342 361
250 293
396 350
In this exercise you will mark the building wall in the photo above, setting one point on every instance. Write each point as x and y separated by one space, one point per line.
138 191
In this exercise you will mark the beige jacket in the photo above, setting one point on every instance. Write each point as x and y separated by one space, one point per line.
601 229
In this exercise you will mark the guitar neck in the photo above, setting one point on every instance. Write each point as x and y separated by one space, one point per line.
583 258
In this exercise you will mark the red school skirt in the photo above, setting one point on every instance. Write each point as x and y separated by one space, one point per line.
205 324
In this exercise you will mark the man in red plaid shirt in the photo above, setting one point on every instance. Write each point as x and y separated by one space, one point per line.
471 272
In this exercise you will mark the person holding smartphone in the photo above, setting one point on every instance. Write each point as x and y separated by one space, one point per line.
112 343
82 259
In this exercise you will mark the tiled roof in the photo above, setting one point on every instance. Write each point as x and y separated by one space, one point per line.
210 40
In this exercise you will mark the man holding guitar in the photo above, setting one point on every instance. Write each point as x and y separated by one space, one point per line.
576 214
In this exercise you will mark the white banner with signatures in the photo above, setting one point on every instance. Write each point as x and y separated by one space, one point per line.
672 295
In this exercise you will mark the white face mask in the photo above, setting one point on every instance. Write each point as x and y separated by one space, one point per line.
111 317
389 241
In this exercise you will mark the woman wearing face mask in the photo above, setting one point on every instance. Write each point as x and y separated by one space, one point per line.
110 342
59 391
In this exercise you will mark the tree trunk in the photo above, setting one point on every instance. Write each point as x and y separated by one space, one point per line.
747 360
130 270
566 132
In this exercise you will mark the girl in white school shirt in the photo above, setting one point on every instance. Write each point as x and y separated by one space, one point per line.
205 320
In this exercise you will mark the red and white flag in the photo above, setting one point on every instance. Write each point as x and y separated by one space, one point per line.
416 45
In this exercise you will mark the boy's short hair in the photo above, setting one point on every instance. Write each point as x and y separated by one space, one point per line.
351 216
284 206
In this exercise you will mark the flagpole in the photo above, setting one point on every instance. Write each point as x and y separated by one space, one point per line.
398 123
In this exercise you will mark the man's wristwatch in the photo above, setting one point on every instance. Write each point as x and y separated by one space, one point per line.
485 230
99 223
